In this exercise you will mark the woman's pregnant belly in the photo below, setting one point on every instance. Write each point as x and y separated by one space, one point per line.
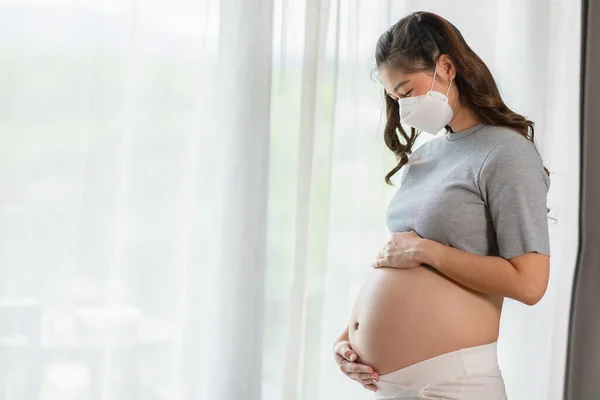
403 316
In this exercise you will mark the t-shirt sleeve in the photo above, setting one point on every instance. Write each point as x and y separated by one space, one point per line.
514 186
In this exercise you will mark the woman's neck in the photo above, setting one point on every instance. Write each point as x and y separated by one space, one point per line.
464 119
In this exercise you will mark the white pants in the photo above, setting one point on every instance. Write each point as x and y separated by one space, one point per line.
466 374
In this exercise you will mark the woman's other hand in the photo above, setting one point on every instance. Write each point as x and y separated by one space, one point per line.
403 250
345 357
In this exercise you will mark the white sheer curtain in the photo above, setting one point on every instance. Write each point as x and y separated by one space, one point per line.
192 191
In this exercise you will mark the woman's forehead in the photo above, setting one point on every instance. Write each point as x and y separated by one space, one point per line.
392 74
394 79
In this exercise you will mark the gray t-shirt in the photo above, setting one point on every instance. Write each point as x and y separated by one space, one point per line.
482 190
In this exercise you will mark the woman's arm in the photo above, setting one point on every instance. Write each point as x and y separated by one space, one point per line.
523 278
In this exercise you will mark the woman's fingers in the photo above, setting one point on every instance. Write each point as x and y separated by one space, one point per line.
352 367
345 357
345 351
372 388
364 379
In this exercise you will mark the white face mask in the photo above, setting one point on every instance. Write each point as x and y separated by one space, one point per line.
429 112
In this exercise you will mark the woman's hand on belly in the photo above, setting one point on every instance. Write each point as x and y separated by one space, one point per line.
346 359
401 251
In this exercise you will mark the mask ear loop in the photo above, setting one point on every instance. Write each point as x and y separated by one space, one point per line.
433 81
448 91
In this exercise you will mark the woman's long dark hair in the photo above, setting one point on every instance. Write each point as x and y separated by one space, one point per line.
414 44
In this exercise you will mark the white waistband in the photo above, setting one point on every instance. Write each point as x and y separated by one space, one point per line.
448 366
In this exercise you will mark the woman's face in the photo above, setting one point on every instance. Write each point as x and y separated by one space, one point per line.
399 85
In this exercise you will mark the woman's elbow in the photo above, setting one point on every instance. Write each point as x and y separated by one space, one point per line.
532 297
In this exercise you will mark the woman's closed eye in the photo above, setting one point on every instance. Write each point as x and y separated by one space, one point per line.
407 94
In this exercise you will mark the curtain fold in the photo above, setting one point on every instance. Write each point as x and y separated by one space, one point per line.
583 351
296 382
244 91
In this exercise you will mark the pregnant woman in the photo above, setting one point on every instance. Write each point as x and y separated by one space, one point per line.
468 224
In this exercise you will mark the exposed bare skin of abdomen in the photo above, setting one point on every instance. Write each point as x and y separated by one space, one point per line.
403 316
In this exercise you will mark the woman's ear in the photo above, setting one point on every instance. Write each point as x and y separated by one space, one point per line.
446 68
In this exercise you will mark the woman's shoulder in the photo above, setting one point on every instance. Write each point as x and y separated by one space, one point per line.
508 149
498 132
503 138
